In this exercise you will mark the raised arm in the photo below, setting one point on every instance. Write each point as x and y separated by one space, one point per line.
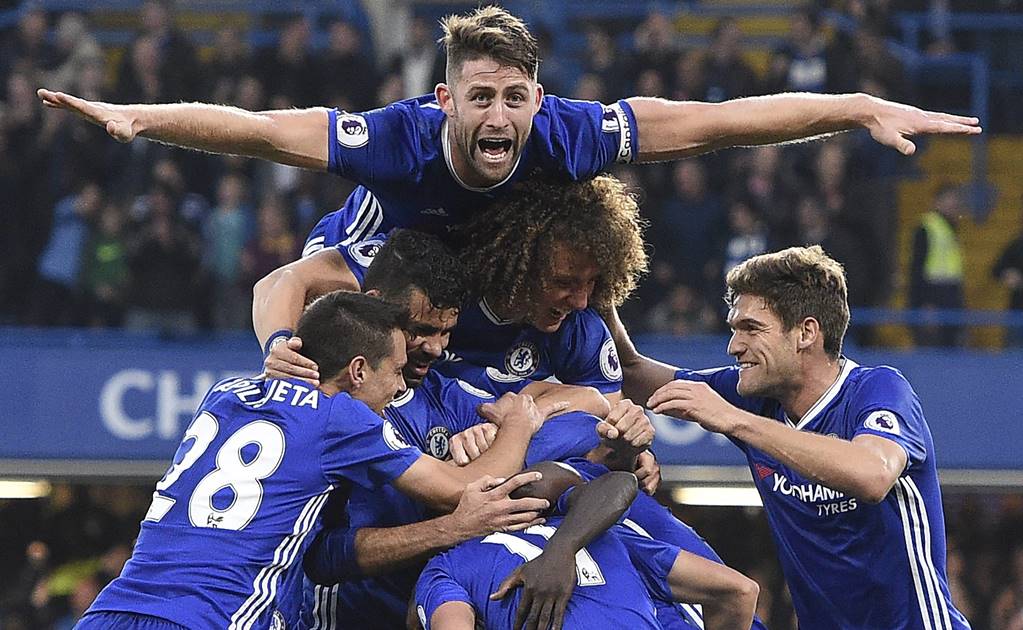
677 129
641 375
296 137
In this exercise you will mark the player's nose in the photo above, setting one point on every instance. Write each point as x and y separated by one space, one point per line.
579 299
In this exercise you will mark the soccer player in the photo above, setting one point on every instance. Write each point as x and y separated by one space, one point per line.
840 453
372 554
241 500
431 162
479 582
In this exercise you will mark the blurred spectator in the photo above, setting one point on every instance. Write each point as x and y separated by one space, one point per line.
76 50
165 271
604 63
690 222
141 79
690 81
420 64
936 268
818 226
805 51
650 82
747 236
229 63
56 300
105 274
1008 270
346 76
175 54
274 244
590 87
26 49
287 69
727 74
768 182
225 234
656 45
681 312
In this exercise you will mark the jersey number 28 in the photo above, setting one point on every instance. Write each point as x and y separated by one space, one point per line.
231 471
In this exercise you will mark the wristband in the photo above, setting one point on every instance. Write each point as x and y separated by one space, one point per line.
283 333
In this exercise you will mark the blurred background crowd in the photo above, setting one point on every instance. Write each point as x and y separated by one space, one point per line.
146 237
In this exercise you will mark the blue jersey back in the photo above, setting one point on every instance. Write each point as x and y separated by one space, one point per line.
425 417
850 564
609 592
399 156
240 503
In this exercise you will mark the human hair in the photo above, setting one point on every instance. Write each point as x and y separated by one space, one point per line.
416 260
797 283
508 249
489 32
342 325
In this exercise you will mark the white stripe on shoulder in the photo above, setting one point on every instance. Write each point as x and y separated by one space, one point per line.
634 526
362 229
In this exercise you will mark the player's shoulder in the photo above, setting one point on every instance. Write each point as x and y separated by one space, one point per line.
585 321
880 379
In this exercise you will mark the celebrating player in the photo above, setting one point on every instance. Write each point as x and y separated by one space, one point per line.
432 161
241 500
840 453
503 581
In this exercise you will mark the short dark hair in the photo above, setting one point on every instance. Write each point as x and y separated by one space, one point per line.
416 260
489 32
342 325
797 283
507 249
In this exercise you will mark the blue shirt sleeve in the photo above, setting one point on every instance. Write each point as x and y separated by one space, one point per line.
331 559
460 400
889 408
586 137
568 435
359 446
586 355
359 256
380 145
653 560
435 587
488 379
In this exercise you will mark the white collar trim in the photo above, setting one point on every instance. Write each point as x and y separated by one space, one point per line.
828 395
489 313
445 144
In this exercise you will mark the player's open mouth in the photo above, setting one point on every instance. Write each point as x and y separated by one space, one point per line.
558 315
421 369
494 149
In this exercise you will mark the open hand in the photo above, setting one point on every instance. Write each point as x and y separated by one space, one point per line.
116 119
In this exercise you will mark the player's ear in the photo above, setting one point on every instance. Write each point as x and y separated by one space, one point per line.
539 97
445 98
357 371
809 333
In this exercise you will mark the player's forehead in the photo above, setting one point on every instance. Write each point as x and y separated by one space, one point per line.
487 72
422 314
751 309
568 262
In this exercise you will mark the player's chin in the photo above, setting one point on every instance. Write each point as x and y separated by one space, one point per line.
495 172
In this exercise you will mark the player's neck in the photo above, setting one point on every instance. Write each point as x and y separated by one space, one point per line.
818 375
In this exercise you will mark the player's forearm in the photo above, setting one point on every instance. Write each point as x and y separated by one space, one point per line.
505 456
293 137
579 398
277 303
677 129
836 463
383 550
592 509
729 598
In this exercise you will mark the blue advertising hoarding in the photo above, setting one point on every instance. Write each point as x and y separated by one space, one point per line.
72 400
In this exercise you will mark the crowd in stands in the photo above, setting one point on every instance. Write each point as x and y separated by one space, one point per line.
144 236
57 553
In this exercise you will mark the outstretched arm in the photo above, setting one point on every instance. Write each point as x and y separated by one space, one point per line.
677 129
296 137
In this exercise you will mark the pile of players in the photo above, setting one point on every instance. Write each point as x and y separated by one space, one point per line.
373 476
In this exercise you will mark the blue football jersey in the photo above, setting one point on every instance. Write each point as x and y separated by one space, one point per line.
580 352
241 500
400 157
609 592
850 564
425 417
